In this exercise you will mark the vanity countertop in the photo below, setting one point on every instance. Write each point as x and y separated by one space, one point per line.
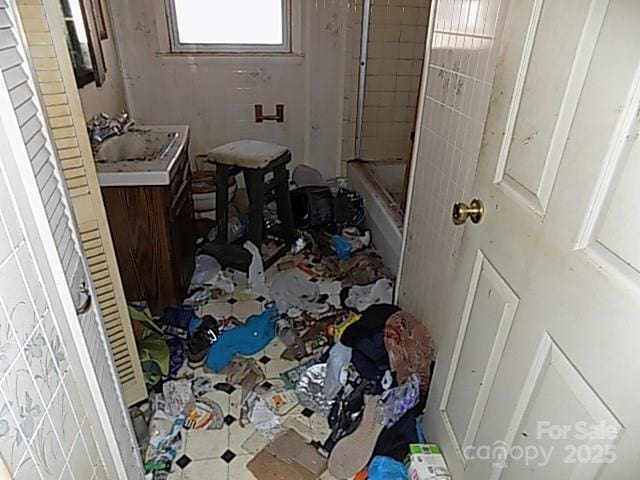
142 172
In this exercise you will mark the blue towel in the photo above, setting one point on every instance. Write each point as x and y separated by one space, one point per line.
247 339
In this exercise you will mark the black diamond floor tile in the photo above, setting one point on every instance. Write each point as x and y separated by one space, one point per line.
225 387
183 461
232 301
260 299
307 412
264 360
228 456
267 385
229 419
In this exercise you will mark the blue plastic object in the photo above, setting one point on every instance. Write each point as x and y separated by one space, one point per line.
342 247
385 468
247 339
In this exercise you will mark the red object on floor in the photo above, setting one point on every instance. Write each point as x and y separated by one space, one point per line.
361 475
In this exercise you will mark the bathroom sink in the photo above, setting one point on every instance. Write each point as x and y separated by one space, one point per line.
139 145
143 155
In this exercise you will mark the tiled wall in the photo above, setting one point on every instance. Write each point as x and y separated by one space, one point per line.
353 31
44 429
397 36
461 68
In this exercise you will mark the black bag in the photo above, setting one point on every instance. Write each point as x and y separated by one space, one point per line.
312 206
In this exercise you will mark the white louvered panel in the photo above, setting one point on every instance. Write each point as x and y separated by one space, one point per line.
20 94
40 160
6 38
53 202
14 76
47 186
31 129
35 144
25 113
5 21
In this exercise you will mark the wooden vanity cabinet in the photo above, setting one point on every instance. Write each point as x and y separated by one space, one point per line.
153 232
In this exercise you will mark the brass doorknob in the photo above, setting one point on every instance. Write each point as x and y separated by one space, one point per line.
462 212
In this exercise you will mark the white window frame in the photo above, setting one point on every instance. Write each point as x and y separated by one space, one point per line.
177 47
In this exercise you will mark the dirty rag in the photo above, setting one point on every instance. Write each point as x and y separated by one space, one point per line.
291 290
360 298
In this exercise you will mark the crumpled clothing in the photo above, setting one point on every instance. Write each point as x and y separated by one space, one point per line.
360 298
152 347
410 348
177 355
395 402
247 339
208 272
294 291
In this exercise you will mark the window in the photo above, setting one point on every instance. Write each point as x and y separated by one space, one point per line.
230 26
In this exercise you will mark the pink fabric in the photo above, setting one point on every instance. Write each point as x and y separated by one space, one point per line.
410 348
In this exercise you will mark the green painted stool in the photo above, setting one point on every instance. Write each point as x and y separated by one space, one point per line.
264 166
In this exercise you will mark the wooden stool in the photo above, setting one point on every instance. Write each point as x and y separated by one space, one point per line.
255 160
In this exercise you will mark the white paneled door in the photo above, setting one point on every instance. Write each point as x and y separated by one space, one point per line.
539 374
35 179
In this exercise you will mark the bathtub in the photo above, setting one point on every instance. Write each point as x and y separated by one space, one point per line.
380 185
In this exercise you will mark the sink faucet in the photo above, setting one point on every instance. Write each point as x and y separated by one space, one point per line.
102 126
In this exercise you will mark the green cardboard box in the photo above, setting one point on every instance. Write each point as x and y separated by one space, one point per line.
425 462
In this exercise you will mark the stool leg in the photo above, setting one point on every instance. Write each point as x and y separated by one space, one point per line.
222 202
283 200
254 180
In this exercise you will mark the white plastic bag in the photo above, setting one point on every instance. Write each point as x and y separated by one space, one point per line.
339 359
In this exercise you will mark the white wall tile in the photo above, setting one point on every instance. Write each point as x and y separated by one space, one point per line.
37 424
461 66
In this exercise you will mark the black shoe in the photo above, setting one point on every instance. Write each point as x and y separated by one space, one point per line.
199 343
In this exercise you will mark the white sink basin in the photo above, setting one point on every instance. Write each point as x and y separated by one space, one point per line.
144 155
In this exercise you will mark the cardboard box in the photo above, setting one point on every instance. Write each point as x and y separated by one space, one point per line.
425 462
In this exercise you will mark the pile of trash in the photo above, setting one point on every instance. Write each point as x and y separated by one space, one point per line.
361 363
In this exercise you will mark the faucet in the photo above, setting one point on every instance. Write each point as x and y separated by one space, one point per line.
102 126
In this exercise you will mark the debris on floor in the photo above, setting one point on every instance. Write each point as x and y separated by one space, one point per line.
301 370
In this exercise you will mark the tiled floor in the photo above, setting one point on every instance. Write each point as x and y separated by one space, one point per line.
224 454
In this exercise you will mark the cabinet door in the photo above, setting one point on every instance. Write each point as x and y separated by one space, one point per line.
182 235
43 25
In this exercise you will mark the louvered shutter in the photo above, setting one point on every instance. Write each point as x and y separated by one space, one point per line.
44 28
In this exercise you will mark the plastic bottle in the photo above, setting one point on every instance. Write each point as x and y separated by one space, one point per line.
286 333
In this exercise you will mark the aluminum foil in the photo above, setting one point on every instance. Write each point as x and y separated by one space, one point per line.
310 389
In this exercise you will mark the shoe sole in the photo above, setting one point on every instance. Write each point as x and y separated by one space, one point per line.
196 364
353 452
